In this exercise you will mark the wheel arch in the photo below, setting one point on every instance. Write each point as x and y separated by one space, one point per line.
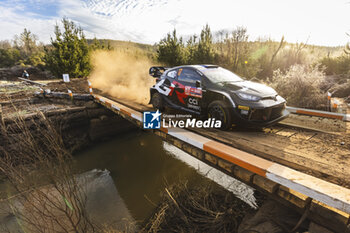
213 95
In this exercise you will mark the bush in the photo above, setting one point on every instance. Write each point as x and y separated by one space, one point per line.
9 57
341 90
336 65
300 86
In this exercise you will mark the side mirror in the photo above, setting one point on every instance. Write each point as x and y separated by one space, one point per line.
198 83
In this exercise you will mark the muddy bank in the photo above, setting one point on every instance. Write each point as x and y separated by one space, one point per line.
12 73
80 122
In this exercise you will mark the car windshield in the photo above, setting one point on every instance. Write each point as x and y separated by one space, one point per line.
221 75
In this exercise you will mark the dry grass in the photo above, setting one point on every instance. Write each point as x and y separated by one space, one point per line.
197 209
300 86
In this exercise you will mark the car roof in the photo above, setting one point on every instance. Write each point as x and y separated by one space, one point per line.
198 67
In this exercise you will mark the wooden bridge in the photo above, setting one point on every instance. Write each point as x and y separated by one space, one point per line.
267 161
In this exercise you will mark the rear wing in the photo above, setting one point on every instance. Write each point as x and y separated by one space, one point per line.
157 71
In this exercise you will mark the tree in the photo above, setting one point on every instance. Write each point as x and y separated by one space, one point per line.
26 41
100 45
69 52
204 52
191 50
171 50
240 48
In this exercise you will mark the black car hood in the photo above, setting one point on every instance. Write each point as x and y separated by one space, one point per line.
249 87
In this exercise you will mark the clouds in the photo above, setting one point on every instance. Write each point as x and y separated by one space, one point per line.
14 19
147 21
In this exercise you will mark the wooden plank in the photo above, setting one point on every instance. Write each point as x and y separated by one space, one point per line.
32 82
312 112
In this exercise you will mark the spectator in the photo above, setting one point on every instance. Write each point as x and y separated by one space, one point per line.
25 74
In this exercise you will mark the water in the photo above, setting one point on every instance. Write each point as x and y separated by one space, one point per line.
140 166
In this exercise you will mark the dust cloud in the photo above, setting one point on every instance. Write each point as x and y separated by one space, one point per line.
122 74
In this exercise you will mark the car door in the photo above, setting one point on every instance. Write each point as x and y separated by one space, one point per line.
189 96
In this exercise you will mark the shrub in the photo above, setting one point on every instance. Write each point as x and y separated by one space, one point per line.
341 90
300 86
336 65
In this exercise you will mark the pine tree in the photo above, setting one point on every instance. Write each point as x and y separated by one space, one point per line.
26 42
191 50
205 53
69 53
171 50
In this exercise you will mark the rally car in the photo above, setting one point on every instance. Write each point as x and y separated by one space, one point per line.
215 92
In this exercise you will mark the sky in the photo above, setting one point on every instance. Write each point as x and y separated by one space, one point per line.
319 22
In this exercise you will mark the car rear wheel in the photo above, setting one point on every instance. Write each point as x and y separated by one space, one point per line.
220 111
157 101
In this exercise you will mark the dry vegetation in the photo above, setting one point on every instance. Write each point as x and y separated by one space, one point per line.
42 193
301 86
197 209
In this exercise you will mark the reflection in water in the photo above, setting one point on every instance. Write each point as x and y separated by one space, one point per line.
104 203
142 165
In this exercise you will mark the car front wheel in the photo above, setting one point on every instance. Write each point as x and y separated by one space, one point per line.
157 101
220 111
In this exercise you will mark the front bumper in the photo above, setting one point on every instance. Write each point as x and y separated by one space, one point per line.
262 116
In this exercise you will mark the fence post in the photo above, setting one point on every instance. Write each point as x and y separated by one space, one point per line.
329 96
335 105
70 94
90 87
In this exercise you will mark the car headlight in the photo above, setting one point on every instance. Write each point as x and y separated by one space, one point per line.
249 97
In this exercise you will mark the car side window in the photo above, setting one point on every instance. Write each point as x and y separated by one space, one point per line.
172 74
188 76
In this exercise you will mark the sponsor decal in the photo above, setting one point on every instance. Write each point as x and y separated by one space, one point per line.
193 104
193 101
192 91
243 107
194 107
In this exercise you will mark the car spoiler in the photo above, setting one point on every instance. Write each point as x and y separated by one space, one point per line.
157 71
